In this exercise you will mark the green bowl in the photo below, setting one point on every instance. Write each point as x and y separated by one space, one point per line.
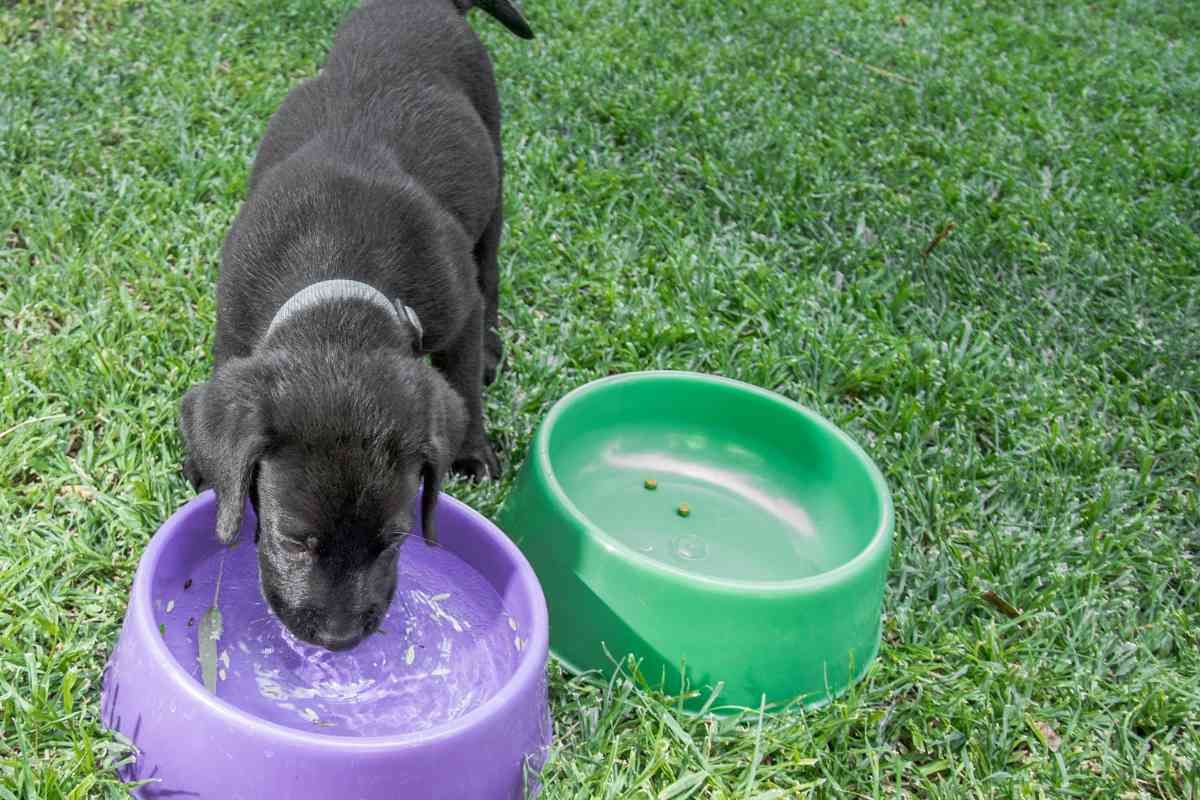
771 583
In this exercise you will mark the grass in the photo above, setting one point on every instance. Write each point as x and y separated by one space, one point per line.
745 189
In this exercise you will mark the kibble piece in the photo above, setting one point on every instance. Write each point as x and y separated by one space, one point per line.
683 510
651 484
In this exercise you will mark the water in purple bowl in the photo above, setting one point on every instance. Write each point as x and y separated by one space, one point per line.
446 645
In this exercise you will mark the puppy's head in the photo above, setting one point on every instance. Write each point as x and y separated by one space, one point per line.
331 454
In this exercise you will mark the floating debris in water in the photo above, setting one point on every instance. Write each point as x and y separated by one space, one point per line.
187 584
170 606
651 484
683 510
268 688
440 614
410 654
437 598
211 628
512 623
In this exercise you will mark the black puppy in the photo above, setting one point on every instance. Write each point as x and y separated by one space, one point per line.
368 238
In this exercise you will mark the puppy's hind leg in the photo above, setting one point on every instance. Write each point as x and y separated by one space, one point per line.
462 364
486 259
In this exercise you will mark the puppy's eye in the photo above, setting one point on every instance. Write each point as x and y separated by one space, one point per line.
299 547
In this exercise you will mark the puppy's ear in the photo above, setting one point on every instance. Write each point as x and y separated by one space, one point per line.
226 430
448 425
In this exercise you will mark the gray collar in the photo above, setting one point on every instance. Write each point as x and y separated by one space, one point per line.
325 291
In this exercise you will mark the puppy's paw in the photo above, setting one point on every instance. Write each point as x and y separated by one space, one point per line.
493 356
477 462
192 473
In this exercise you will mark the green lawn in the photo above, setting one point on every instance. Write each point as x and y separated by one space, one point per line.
739 188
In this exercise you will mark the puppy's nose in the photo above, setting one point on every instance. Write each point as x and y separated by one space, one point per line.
339 641
340 632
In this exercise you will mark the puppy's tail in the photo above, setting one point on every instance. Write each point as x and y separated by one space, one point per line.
503 10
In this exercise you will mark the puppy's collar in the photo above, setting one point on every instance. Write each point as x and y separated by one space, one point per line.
325 291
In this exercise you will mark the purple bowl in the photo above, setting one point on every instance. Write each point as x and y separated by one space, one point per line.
449 701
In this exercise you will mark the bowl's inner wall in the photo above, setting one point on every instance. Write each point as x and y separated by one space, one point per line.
448 642
773 494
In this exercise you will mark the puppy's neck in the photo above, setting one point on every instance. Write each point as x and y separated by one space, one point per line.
326 296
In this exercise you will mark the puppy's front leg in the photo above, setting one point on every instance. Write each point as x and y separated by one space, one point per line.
462 364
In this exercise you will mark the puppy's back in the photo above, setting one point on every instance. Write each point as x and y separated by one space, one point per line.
410 76
403 118
384 44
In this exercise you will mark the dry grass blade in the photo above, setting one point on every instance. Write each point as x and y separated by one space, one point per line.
941 236
1000 604
1048 735
891 76
32 421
